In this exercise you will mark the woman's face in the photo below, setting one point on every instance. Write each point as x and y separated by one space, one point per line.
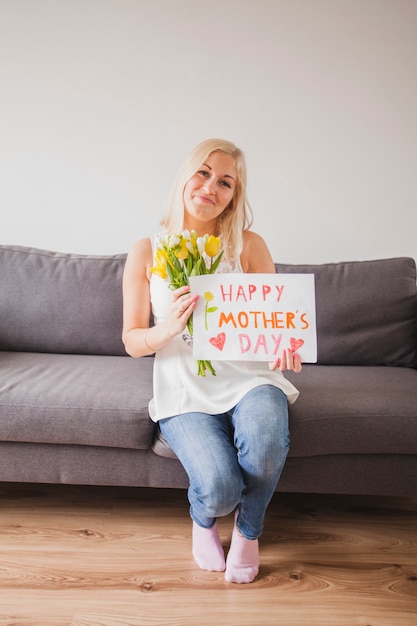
209 191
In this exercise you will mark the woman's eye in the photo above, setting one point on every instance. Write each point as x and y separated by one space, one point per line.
203 173
225 183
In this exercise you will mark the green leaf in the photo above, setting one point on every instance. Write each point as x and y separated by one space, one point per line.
189 264
177 263
216 263
196 271
170 273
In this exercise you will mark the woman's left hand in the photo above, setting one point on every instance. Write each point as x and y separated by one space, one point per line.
288 361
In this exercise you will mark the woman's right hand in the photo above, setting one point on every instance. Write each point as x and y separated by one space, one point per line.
183 305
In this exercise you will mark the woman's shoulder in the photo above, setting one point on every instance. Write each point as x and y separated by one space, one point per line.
141 247
256 256
140 254
252 238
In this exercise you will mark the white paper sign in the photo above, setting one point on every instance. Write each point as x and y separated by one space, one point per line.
253 317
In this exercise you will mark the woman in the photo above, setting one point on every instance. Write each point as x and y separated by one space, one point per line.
230 431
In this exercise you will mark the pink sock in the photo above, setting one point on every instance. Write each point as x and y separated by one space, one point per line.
207 549
243 559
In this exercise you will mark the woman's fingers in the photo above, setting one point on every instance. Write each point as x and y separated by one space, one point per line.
298 366
183 304
287 361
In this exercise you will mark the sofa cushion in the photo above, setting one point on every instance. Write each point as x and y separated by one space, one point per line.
354 410
64 303
348 410
76 399
366 311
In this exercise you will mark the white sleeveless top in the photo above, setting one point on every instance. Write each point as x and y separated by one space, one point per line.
177 388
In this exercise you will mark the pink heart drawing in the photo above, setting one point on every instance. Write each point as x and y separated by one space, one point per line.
296 343
219 341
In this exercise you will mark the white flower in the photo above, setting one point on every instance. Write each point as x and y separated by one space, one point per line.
173 241
201 242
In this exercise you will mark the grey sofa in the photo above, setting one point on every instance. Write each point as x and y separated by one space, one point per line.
74 406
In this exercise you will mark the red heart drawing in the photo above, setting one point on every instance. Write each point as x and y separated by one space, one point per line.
296 343
219 341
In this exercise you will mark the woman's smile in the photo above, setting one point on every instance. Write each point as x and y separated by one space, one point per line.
203 199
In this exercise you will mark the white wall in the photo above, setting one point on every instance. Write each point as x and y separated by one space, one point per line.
100 100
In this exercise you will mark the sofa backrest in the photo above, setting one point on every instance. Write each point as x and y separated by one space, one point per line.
62 303
366 311
72 303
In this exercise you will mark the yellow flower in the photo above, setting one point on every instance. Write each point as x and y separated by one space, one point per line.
183 252
160 267
208 296
193 241
212 246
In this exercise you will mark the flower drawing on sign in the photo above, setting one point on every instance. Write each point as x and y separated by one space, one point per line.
208 297
179 256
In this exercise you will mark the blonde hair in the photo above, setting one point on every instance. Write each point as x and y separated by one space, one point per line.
236 217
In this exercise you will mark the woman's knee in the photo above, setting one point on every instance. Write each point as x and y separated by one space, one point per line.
262 438
219 493
261 419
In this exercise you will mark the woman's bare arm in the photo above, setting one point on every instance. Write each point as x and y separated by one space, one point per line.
138 338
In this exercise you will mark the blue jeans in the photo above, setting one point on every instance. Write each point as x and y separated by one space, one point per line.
234 459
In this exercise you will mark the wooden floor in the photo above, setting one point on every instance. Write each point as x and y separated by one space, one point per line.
86 556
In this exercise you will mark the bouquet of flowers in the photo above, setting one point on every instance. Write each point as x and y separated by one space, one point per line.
177 257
